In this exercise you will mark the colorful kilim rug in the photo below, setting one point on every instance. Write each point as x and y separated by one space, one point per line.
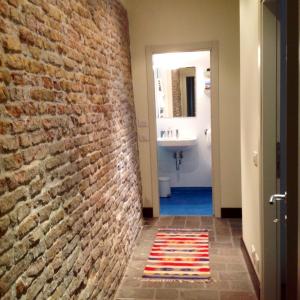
179 254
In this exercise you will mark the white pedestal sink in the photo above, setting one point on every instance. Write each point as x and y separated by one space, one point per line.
177 144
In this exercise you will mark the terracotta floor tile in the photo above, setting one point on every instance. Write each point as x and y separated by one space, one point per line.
230 277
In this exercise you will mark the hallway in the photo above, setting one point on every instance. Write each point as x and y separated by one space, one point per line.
230 277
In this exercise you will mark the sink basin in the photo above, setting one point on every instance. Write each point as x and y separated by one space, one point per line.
177 144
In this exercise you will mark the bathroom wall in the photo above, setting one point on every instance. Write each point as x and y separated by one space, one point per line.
195 170
169 22
250 122
70 193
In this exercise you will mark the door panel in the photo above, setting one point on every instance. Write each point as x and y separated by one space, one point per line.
292 147
269 276
280 239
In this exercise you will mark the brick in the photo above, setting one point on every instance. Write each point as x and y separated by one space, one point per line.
16 62
35 67
10 277
55 249
36 267
38 152
7 259
12 161
3 185
27 225
35 236
11 43
4 8
13 110
56 217
16 3
22 177
9 143
53 162
21 287
3 93
54 233
6 241
45 212
4 223
27 36
5 76
8 201
23 211
36 187
20 250
35 52
42 95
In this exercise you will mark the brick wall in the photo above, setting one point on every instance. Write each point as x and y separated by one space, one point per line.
70 196
176 93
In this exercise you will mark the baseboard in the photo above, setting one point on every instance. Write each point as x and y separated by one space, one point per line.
251 270
191 188
227 212
147 212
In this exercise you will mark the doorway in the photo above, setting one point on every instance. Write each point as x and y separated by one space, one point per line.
170 167
183 122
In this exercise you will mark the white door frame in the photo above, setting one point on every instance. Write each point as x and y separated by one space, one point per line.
215 127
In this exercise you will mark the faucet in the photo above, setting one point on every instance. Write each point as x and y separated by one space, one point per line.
177 133
162 133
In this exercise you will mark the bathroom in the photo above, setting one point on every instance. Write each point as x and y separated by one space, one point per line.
183 123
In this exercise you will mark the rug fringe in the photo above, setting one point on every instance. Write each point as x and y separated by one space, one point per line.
201 281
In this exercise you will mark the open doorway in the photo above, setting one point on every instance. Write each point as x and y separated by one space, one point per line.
183 122
154 132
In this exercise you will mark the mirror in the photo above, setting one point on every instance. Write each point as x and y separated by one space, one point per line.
175 92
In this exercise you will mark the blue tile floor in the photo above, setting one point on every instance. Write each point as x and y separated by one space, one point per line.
187 202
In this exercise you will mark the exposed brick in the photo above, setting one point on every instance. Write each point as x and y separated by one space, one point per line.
11 43
36 267
3 185
6 241
4 223
23 211
22 177
69 161
12 161
8 201
16 62
4 8
3 93
9 143
16 3
10 277
21 287
42 95
5 76
27 224
20 250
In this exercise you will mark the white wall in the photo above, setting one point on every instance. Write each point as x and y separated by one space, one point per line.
195 170
173 22
250 121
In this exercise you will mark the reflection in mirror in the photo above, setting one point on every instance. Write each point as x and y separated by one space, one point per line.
175 92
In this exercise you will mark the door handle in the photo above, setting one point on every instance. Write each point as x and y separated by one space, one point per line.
277 197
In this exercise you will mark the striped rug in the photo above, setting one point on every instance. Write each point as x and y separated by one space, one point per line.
179 254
